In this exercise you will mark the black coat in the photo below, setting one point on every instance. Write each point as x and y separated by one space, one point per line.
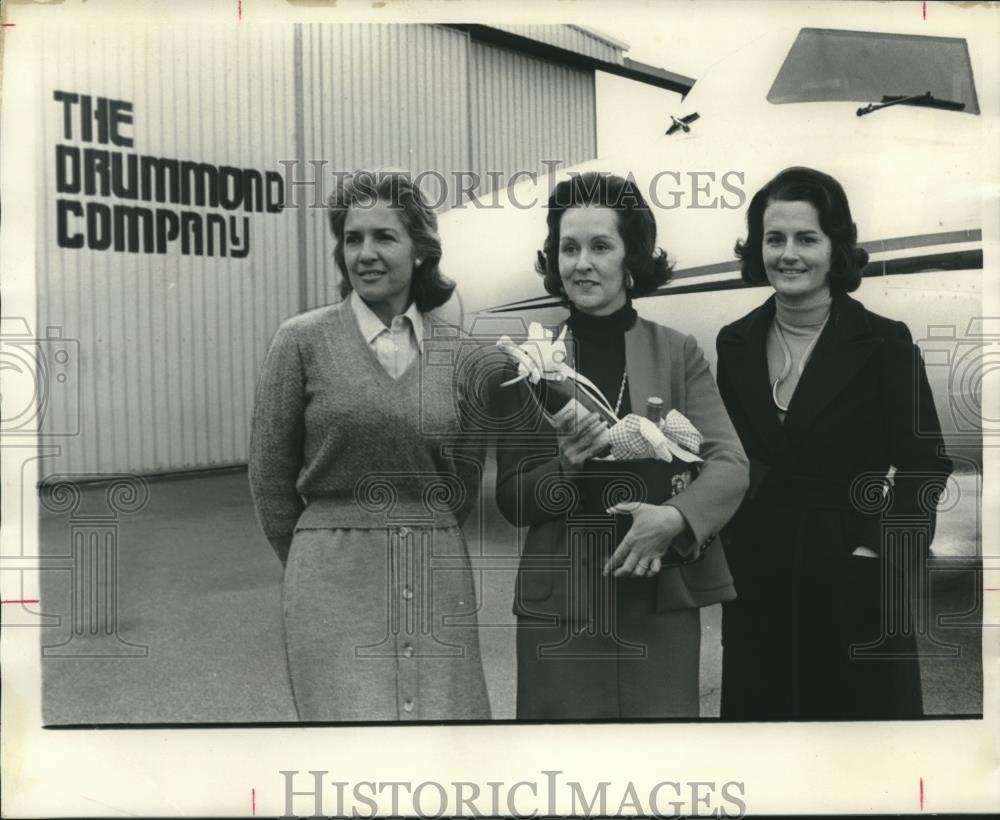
794 640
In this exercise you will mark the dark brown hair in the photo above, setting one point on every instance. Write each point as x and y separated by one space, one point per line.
826 195
647 263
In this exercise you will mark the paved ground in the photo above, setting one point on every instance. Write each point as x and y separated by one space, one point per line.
198 593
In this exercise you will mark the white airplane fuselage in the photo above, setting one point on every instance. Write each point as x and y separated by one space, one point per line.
913 175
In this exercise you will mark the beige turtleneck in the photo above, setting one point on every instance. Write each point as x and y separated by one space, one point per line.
799 325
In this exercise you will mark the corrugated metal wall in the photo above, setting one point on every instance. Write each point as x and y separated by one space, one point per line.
169 343
378 96
526 110
571 38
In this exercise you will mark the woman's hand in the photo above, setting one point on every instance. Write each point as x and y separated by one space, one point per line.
654 528
579 439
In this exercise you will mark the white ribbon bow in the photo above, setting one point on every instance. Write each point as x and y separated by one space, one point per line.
540 356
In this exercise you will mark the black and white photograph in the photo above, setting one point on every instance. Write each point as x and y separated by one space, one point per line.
391 387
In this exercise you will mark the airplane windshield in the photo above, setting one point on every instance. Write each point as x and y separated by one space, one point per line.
826 65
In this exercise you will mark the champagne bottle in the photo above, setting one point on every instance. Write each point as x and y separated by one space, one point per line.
654 409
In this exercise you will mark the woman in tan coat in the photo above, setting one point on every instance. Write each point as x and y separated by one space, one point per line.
609 631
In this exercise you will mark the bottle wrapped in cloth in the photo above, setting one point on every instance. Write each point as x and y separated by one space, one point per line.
642 471
644 460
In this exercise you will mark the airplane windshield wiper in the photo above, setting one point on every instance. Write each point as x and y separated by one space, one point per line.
926 99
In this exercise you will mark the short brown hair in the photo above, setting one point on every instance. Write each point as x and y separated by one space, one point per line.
647 263
362 189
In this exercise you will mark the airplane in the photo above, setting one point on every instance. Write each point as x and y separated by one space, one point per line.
898 118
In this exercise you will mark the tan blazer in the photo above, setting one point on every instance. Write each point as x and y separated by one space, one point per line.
660 362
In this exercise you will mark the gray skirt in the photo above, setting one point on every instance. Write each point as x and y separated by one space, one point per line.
631 662
380 625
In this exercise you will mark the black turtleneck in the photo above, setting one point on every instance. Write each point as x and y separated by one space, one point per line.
600 350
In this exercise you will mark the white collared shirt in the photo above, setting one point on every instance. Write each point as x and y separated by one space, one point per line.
395 346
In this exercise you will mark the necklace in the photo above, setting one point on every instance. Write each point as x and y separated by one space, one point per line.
621 392
788 360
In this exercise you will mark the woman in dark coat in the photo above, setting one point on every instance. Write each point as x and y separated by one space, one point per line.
604 632
825 396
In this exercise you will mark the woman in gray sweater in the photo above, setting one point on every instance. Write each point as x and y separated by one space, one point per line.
361 482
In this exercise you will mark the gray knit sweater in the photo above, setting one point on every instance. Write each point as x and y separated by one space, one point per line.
338 443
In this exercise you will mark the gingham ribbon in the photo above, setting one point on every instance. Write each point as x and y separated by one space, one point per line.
627 441
635 437
677 427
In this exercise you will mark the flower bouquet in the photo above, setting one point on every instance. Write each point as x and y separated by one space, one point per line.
644 460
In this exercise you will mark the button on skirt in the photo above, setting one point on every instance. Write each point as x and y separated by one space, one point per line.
380 625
